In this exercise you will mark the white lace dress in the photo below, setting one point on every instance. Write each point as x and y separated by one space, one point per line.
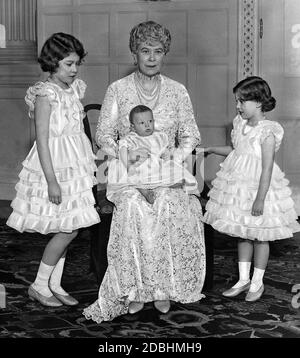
155 251
73 162
235 187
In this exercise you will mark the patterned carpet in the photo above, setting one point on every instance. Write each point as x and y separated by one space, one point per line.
275 315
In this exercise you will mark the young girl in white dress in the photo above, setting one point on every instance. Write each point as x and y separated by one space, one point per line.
54 193
250 197
161 168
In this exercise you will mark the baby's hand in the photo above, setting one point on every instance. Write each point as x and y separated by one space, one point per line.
133 170
167 155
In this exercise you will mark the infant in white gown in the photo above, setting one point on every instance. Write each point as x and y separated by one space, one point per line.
160 168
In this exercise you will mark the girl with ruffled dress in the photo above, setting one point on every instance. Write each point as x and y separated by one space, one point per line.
250 197
54 193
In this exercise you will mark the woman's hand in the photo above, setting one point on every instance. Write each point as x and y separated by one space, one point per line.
177 185
257 207
137 156
54 192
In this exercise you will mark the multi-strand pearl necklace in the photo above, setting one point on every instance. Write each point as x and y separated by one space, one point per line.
147 97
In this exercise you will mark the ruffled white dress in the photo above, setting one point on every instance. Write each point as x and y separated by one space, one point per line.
154 172
235 187
73 162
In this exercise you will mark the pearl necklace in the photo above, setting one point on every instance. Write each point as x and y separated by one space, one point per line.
147 97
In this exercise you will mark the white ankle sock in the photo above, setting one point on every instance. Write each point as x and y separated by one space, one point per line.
55 279
244 274
257 279
41 283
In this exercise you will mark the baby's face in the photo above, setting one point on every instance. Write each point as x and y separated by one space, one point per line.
143 123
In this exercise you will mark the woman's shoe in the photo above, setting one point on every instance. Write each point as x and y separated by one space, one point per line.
162 306
66 300
46 301
135 307
232 292
254 296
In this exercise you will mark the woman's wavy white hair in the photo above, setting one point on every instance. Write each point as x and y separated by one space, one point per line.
149 32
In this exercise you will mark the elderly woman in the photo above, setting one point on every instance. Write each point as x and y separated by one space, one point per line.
156 252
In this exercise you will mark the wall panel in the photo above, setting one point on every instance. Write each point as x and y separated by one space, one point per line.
178 72
96 89
96 24
124 21
209 33
212 85
177 23
56 22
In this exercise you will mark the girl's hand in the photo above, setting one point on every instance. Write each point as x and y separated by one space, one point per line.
257 207
207 151
54 192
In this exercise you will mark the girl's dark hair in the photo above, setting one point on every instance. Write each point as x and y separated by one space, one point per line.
56 48
138 109
256 89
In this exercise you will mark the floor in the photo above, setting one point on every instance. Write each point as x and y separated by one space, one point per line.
275 315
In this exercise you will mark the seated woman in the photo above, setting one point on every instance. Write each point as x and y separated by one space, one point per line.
161 168
156 253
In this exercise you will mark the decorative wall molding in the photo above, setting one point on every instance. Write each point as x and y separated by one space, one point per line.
18 75
18 17
19 20
248 38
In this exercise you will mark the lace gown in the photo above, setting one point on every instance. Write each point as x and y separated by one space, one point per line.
155 251
73 162
235 187
151 173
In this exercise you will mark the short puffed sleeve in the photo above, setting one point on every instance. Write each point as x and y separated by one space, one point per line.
79 87
38 89
275 129
236 124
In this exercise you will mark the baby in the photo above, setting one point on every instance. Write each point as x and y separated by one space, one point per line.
146 158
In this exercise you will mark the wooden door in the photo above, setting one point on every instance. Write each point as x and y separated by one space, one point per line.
279 64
